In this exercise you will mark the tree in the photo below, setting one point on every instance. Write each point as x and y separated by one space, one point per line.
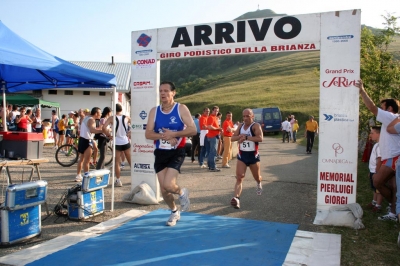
380 71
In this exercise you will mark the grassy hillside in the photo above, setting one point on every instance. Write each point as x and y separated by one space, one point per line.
286 80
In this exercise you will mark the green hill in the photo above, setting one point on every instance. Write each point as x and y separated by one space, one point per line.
286 80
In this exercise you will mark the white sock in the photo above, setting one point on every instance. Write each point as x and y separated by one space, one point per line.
391 214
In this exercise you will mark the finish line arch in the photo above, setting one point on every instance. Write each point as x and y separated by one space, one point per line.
336 34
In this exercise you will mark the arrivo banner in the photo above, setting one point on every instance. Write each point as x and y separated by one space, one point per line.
335 34
277 34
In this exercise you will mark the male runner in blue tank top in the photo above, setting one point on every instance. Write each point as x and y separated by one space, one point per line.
248 135
168 125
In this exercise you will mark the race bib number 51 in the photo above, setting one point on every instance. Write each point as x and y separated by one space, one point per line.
247 146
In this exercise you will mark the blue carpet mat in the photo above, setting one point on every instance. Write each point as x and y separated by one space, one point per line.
197 239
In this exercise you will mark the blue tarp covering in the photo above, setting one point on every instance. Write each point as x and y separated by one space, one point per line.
197 239
24 66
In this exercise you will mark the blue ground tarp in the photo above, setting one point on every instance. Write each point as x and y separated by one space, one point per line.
197 239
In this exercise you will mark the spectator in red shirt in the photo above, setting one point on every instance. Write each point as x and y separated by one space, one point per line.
214 130
22 120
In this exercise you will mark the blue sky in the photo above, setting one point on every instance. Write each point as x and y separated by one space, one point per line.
95 30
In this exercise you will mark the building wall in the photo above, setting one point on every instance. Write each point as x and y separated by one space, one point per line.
78 100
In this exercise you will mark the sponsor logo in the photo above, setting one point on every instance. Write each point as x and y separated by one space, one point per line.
144 168
138 126
143 40
144 63
337 118
141 165
225 32
143 115
340 38
142 148
142 84
337 148
144 52
339 82
328 117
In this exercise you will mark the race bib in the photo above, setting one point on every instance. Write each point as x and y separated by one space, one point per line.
165 145
247 146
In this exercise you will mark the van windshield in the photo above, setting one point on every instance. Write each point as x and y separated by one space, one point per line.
257 115
271 116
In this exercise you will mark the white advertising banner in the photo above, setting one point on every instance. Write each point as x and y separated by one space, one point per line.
338 113
144 96
262 35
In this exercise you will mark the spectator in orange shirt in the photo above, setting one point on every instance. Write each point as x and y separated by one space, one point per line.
213 131
204 147
227 128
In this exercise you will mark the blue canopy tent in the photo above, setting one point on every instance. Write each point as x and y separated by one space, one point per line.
25 67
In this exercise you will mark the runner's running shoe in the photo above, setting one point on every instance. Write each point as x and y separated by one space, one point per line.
259 189
173 218
184 200
118 183
235 202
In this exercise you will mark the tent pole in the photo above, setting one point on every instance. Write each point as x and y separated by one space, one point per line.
3 88
113 106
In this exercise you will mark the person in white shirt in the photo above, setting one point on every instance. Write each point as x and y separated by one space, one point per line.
285 130
389 145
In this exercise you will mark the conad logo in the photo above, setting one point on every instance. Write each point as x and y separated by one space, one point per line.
144 62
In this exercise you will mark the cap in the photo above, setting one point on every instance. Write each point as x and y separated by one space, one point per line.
86 110
71 112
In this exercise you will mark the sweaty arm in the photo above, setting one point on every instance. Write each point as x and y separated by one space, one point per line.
366 99
150 134
391 127
257 132
92 126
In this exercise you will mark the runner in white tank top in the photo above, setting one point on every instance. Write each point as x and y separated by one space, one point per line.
88 128
248 137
